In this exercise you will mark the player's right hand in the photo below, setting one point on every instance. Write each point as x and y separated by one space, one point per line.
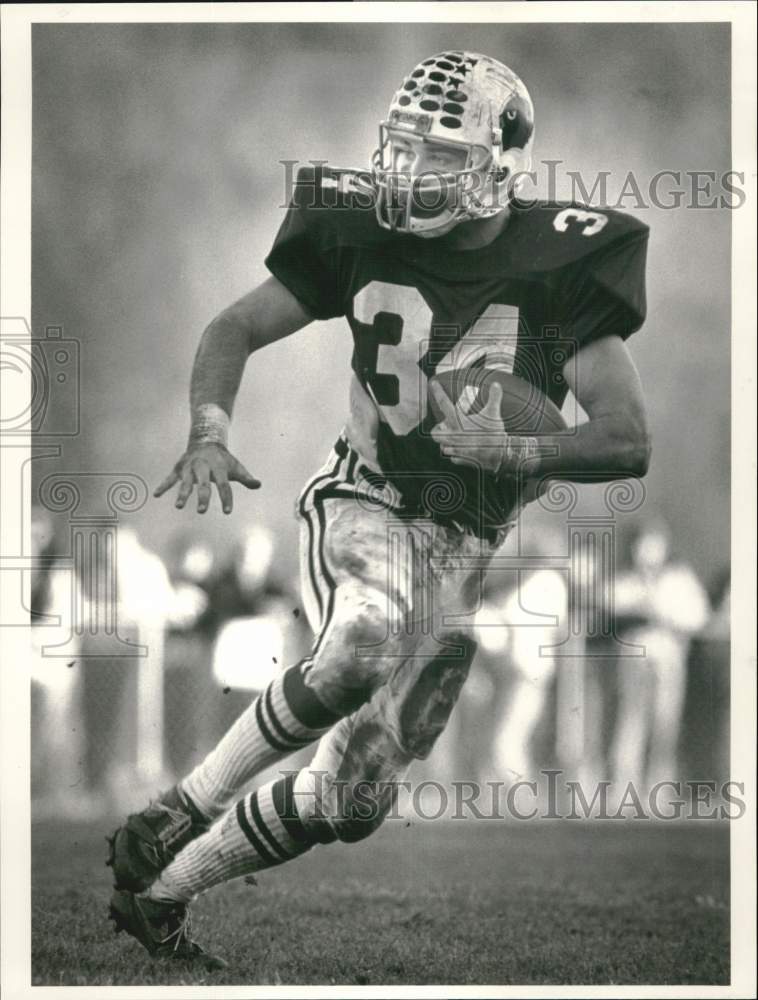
201 465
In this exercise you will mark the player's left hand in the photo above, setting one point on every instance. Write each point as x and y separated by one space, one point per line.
479 439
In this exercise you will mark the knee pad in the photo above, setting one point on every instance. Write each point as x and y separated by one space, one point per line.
349 658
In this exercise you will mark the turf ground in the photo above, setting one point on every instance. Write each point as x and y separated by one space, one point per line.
466 902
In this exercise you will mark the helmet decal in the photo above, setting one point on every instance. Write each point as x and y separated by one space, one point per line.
516 123
471 102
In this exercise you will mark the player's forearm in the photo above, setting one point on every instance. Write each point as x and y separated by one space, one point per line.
612 446
217 372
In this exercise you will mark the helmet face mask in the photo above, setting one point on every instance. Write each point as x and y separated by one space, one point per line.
423 184
458 134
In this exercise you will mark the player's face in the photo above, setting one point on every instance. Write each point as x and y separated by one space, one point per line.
426 157
428 166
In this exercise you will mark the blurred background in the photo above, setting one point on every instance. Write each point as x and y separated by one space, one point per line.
157 192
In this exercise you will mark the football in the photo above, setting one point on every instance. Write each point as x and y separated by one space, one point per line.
525 409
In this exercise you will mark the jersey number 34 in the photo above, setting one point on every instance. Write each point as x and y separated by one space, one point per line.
398 347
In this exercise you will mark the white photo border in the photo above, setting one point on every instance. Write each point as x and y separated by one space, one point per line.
15 299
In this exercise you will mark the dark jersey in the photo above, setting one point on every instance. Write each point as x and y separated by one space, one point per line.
556 278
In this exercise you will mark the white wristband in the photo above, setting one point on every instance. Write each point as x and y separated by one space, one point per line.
210 425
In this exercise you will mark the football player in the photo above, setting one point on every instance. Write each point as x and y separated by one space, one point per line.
437 266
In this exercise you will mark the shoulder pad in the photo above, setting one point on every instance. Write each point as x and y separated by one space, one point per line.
337 205
553 235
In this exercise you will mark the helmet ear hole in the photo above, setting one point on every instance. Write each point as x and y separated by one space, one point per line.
501 174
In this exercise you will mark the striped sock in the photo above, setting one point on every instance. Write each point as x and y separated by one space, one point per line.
264 829
285 717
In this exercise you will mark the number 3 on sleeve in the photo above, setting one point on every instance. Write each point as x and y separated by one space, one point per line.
592 222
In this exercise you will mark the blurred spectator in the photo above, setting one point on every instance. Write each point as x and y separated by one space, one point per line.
145 594
247 582
145 603
592 586
532 615
707 729
190 598
232 627
123 691
192 570
250 644
190 692
659 604
57 734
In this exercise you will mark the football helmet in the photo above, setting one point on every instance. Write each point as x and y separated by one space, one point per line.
457 136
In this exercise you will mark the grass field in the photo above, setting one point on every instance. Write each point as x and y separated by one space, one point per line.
468 902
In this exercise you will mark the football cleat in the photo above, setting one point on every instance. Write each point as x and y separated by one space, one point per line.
148 841
163 929
455 145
